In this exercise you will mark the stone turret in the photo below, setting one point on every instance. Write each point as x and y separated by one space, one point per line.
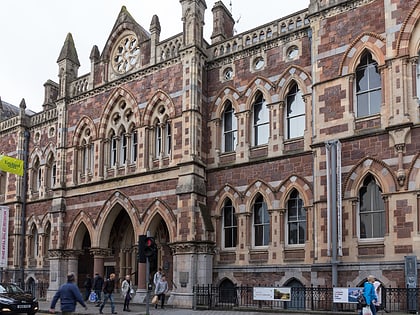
193 21
68 63
223 23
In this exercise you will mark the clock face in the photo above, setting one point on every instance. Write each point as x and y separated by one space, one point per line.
126 54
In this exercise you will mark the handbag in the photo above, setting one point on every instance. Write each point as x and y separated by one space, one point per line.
92 297
155 300
361 300
366 310
132 293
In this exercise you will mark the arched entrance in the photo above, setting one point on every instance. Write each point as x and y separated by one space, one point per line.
85 264
159 230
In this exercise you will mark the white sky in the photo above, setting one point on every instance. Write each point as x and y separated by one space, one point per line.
32 33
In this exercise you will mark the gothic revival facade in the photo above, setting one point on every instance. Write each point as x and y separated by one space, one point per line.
226 152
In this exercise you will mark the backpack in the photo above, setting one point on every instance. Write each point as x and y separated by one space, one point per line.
361 300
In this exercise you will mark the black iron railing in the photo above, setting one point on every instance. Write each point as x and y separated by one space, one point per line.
312 298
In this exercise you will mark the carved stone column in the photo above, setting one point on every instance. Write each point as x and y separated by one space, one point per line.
98 259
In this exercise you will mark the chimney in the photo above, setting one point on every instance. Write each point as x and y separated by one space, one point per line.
223 23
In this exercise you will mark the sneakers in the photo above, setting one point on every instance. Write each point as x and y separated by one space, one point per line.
114 313
100 312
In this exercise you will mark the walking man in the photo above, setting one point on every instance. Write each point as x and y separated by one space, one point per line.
109 286
69 295
98 283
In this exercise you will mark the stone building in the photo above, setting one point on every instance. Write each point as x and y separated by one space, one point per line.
226 152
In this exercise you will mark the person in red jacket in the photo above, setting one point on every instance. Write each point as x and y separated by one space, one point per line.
69 295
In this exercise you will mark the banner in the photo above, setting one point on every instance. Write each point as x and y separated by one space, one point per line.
346 295
11 165
4 235
272 294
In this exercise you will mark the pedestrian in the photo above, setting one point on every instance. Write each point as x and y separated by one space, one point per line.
125 292
109 286
88 286
161 290
370 294
157 276
69 295
98 283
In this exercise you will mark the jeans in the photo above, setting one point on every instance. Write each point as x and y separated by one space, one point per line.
111 298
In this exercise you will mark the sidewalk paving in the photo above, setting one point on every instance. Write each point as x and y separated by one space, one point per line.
140 309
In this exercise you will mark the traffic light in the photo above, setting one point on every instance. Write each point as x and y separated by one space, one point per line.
150 247
141 257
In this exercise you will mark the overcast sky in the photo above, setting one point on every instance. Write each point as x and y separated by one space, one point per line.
32 33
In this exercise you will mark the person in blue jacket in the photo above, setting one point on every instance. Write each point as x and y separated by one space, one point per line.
370 294
69 295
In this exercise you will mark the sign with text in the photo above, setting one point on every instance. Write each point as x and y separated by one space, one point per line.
346 295
11 165
4 235
272 294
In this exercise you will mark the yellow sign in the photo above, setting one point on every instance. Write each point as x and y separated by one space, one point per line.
11 165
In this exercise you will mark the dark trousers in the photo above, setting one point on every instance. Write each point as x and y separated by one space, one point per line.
161 299
127 301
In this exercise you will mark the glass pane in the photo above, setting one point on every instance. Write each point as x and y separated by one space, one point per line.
362 105
259 235
362 83
375 101
293 233
374 77
261 134
228 238
296 127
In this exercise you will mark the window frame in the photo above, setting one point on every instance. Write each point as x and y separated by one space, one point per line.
294 93
259 111
265 224
229 136
365 65
231 230
374 194
300 221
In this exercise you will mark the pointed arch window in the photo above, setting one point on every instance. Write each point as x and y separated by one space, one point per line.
46 240
371 209
261 222
230 226
134 145
260 120
230 128
36 175
33 242
51 171
163 138
368 86
295 115
123 147
113 149
296 219
2 184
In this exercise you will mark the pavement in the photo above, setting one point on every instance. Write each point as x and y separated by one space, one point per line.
140 309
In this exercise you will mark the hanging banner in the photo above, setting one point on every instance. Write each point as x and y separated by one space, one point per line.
272 294
11 165
4 235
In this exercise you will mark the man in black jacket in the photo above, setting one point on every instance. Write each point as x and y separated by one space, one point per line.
98 283
109 286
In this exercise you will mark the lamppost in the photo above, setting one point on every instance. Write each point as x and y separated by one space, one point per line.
23 212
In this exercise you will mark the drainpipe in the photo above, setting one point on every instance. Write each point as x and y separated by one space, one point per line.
23 212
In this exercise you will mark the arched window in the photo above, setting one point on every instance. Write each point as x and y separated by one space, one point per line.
51 171
261 222
46 240
134 145
368 86
123 139
163 138
230 128
295 116
33 242
112 149
36 175
296 219
371 209
260 120
230 227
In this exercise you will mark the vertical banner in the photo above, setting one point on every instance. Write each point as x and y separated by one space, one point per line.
4 235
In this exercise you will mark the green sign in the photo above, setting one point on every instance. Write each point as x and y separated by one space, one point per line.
11 165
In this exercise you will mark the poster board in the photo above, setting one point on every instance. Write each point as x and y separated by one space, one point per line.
272 294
